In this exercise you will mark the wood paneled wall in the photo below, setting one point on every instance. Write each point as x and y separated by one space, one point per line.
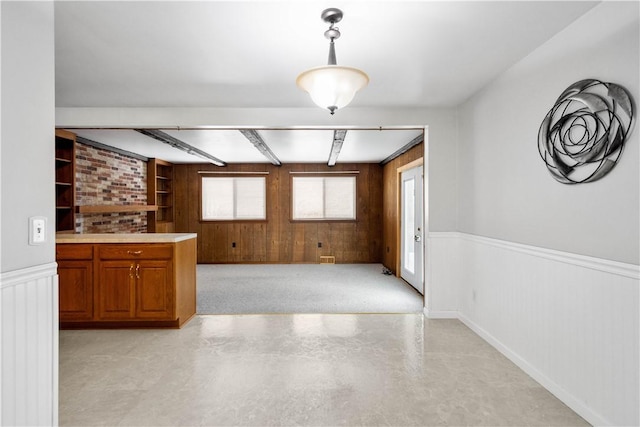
390 203
278 239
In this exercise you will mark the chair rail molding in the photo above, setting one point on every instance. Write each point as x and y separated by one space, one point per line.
615 267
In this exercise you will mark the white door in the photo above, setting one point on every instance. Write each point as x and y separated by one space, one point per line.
411 228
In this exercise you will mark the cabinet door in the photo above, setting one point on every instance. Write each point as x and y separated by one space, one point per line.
75 284
116 290
154 290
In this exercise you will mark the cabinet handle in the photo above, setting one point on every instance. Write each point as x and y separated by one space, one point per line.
131 271
138 271
134 252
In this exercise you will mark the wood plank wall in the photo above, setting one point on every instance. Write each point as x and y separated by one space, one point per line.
390 218
279 240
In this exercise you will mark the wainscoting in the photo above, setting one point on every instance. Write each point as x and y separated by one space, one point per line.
29 346
569 321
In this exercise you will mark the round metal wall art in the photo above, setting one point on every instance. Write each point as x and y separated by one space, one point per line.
582 136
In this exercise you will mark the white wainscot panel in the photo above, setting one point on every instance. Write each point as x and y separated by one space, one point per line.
569 321
29 346
442 275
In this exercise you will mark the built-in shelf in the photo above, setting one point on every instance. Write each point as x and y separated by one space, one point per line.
115 208
65 180
160 193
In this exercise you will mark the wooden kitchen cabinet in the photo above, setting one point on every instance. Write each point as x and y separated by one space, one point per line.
75 278
154 292
116 290
126 284
133 286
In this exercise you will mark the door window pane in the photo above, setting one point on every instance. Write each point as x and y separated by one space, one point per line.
408 213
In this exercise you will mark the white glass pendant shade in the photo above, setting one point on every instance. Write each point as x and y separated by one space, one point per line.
332 86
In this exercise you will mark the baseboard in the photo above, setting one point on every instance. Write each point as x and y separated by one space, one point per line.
431 314
567 398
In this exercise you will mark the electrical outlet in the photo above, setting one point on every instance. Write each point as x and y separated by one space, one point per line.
37 230
233 244
319 244
473 295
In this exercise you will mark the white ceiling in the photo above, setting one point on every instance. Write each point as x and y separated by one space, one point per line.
230 146
248 53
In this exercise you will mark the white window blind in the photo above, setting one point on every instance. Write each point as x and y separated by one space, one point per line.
317 198
231 198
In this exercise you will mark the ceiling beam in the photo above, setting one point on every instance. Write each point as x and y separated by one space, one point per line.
338 140
254 137
102 146
415 141
180 145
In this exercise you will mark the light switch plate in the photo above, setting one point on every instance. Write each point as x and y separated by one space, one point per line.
37 230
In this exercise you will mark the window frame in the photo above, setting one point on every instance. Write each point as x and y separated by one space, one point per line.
235 176
324 175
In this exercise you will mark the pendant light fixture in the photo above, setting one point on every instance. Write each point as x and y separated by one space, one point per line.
332 86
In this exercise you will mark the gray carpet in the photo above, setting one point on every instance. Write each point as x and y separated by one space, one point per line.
302 288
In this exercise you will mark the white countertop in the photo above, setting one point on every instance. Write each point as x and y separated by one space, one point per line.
125 238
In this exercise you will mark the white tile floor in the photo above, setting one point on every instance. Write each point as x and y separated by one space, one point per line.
305 369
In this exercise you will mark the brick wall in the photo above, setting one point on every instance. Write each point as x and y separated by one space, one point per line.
107 178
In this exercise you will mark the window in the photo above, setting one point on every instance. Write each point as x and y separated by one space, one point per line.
324 198
233 198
